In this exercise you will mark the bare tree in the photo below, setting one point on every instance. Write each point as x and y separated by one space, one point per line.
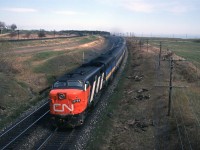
41 33
2 26
13 27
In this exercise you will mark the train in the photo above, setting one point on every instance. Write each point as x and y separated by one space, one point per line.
73 94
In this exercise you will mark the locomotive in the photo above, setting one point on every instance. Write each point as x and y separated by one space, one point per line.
73 94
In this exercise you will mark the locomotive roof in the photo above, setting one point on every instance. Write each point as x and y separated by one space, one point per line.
81 73
102 60
85 71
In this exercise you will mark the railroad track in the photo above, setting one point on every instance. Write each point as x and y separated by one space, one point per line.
58 139
15 132
78 137
52 139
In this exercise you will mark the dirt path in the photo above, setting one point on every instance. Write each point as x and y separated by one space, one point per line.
60 46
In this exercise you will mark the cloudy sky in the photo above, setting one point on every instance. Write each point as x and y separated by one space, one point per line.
138 16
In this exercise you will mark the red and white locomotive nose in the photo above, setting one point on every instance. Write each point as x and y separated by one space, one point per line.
67 101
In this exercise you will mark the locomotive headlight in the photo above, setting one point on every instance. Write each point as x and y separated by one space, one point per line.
61 96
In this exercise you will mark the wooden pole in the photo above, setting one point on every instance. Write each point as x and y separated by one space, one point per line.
160 55
170 86
83 57
18 34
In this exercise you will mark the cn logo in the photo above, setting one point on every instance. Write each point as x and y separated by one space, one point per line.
57 108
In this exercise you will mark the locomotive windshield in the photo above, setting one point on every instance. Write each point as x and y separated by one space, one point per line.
74 83
68 84
60 84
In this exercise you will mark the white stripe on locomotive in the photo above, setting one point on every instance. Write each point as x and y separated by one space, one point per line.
97 89
93 88
102 76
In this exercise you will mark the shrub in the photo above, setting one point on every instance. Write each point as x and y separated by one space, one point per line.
41 33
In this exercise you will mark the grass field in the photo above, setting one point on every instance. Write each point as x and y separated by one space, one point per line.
185 101
45 55
188 49
28 67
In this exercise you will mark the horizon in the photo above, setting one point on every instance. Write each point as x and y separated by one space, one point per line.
131 34
141 17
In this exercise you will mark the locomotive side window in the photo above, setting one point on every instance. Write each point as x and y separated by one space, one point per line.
71 83
59 84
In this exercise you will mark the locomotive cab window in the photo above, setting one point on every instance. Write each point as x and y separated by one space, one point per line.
68 84
75 83
59 84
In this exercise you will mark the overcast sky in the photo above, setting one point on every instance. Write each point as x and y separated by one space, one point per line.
138 16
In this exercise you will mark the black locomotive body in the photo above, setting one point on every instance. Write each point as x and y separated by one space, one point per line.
74 93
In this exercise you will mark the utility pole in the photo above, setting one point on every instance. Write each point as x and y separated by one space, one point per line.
170 85
160 54
83 57
140 42
18 34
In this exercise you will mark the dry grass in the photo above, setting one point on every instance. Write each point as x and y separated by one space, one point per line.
28 67
118 132
162 131
38 68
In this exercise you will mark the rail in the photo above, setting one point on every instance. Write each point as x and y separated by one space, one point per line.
14 132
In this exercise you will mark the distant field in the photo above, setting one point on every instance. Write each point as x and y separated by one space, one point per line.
28 67
189 49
